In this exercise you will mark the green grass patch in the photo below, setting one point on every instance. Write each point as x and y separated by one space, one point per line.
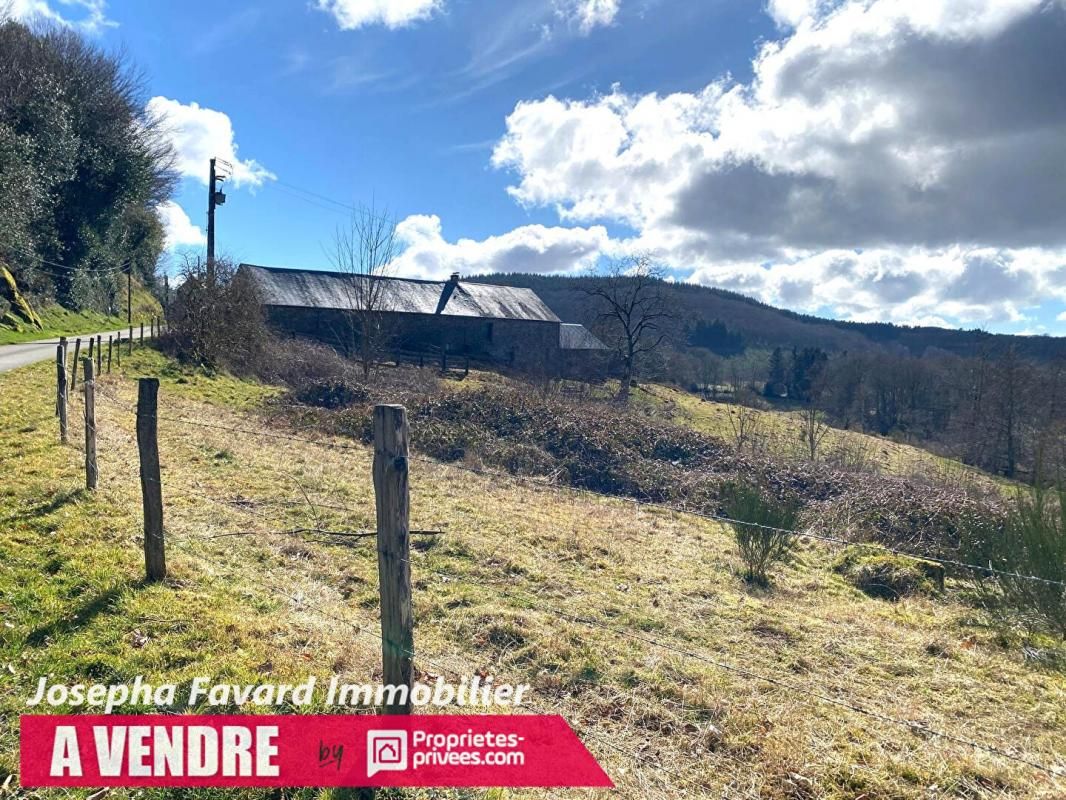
60 321
195 383
888 576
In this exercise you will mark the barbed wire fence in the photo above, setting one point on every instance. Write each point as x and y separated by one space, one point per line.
396 565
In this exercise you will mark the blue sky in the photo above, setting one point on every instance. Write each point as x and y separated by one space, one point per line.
865 159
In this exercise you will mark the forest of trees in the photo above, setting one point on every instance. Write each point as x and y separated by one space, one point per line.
995 401
998 410
82 168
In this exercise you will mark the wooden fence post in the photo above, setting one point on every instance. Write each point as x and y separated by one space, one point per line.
142 333
61 358
110 346
91 471
92 344
118 349
61 390
153 326
129 342
155 563
394 554
74 366
99 354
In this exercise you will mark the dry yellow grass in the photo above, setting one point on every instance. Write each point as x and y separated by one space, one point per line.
781 433
519 565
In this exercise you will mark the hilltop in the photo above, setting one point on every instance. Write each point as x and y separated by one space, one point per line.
749 323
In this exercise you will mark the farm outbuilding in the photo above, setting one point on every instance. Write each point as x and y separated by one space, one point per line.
504 325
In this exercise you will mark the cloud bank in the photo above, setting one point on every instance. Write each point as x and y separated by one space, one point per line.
894 159
530 248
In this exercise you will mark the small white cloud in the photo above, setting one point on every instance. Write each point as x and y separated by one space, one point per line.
90 15
587 14
178 228
199 134
530 248
1061 317
352 14
790 13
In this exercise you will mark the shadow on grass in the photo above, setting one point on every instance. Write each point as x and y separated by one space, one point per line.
47 507
80 617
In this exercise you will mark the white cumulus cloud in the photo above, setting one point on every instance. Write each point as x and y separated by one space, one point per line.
889 157
89 15
178 228
587 14
530 248
198 134
352 14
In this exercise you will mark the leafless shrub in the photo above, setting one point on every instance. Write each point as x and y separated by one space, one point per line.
814 429
300 362
853 453
216 321
746 424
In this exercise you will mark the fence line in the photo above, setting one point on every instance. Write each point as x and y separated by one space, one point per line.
366 631
149 414
544 484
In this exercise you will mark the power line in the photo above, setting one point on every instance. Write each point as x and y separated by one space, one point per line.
647 503
360 208
743 671
66 267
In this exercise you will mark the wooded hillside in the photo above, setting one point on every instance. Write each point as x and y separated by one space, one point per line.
82 169
737 323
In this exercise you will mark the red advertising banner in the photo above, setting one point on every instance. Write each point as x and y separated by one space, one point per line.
299 750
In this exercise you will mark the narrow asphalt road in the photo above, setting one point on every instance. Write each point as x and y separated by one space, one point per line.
23 353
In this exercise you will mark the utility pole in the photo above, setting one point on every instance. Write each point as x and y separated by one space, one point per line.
215 197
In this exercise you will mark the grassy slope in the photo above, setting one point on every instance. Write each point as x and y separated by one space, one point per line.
59 321
781 432
278 607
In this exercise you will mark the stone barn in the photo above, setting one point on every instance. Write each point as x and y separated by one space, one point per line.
503 325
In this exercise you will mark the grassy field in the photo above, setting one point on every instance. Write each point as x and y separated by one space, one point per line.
614 613
781 432
59 321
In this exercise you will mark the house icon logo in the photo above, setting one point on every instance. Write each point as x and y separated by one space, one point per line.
386 751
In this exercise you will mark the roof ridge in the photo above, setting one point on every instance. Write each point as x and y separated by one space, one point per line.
340 273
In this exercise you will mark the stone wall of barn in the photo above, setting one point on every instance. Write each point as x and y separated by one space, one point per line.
524 344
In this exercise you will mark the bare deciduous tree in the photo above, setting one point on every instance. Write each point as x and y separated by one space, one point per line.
813 428
746 423
363 250
632 311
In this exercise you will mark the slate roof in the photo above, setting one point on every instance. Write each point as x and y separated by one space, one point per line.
577 337
308 288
